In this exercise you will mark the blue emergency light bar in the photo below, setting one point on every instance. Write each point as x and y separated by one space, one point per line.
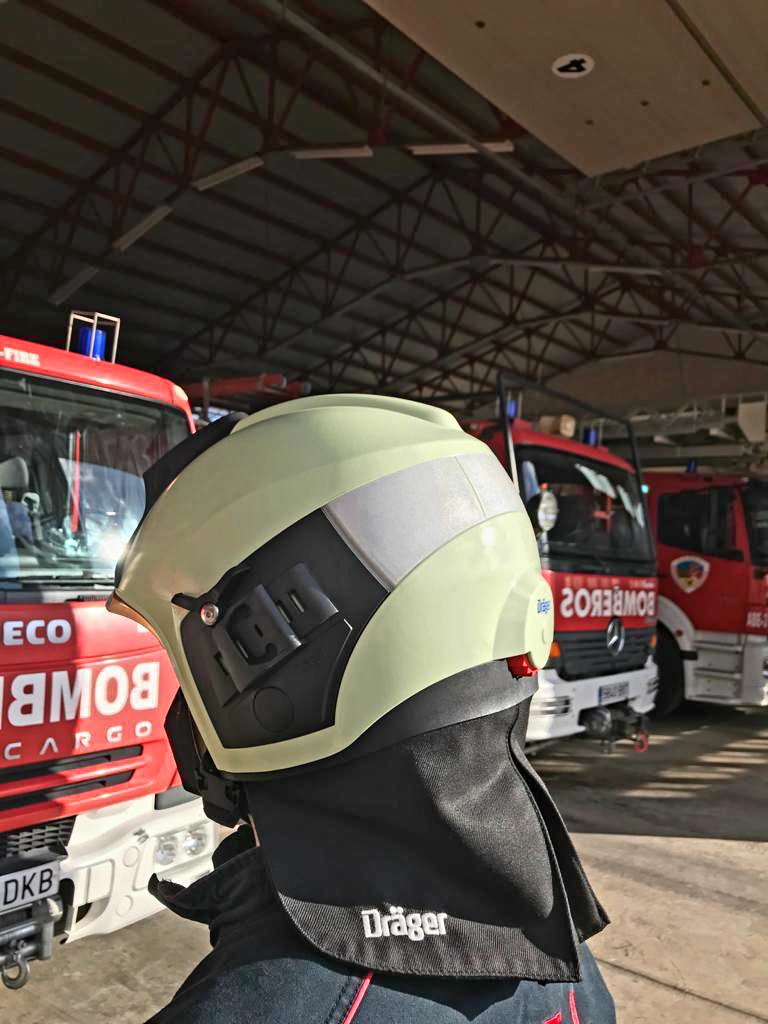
89 332
589 436
90 341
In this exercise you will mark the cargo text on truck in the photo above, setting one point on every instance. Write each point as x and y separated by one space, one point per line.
597 554
90 802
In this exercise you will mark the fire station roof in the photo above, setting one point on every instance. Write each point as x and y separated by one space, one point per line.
299 186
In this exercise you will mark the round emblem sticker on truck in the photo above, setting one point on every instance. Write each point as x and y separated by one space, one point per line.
689 573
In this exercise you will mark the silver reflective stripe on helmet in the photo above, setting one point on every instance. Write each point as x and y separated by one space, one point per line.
396 522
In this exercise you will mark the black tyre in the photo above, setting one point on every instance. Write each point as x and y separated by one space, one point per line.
671 692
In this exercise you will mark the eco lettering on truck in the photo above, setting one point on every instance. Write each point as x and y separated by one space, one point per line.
16 632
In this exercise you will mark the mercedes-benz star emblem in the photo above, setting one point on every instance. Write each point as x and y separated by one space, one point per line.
615 636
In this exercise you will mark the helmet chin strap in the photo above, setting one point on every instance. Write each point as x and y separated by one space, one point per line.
222 799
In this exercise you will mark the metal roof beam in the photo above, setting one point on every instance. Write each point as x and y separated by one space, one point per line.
565 286
609 189
510 330
508 167
525 185
147 277
94 225
158 172
174 8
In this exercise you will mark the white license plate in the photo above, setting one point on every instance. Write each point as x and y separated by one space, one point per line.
28 885
611 692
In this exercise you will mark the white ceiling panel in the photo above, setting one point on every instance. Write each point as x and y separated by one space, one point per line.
654 89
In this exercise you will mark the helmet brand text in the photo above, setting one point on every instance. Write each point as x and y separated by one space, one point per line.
413 926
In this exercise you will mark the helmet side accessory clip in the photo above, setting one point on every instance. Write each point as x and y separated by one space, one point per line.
256 627
273 651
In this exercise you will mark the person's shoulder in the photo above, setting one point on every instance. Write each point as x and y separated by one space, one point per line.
272 990
311 989
403 1000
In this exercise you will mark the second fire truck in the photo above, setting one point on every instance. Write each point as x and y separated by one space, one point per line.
712 542
596 550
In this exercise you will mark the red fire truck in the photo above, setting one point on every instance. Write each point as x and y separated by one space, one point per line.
90 803
712 543
597 554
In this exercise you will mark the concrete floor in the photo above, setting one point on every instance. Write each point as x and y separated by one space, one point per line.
674 842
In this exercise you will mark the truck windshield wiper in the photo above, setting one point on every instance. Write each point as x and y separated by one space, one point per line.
607 564
55 579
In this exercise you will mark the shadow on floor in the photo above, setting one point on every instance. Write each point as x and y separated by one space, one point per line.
705 775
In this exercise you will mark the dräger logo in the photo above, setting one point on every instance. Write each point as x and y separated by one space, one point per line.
414 927
605 602
18 355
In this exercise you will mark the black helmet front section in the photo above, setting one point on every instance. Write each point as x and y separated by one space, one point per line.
268 644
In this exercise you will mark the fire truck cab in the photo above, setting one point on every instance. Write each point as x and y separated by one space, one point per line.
90 801
597 555
712 543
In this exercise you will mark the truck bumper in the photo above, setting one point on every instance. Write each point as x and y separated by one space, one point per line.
113 853
559 706
728 669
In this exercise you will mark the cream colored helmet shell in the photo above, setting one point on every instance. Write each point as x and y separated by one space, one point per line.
426 508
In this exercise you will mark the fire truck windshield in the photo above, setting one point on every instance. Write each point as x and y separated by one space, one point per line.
71 465
600 511
755 497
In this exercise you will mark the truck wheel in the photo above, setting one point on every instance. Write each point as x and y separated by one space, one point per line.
671 690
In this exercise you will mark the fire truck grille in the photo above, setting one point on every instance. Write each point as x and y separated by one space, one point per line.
60 764
57 788
37 796
36 837
586 654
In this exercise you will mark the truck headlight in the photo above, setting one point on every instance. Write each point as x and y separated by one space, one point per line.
195 841
167 850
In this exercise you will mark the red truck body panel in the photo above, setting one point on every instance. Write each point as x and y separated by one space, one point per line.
717 594
83 693
523 433
57 364
77 682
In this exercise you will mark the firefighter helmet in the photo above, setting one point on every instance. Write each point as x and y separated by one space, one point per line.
316 567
